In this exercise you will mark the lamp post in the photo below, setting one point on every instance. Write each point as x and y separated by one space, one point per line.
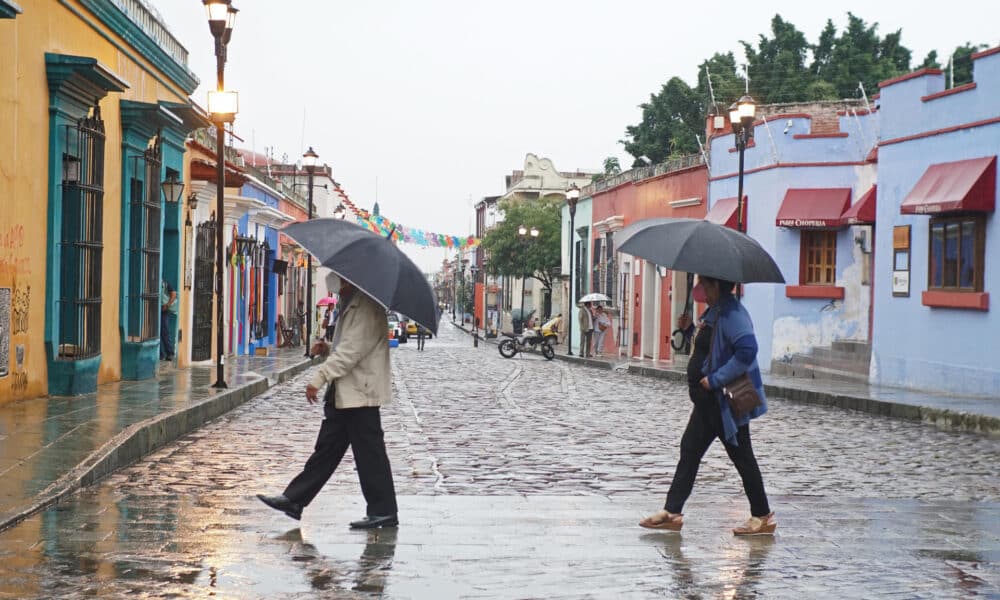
741 117
525 234
223 106
474 274
572 197
454 288
309 162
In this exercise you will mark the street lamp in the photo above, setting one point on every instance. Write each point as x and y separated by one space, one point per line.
572 197
741 117
309 162
223 106
525 234
173 188
474 273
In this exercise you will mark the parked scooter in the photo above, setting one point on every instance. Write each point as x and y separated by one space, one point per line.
528 340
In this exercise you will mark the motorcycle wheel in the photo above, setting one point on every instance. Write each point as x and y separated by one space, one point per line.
508 349
548 352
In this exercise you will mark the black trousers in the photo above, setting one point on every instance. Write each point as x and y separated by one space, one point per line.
420 340
361 429
704 425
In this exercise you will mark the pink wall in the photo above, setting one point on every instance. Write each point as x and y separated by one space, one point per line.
643 200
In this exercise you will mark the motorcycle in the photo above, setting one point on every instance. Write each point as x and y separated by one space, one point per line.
528 340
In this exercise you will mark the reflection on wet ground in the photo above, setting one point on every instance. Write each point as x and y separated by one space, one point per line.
43 439
113 543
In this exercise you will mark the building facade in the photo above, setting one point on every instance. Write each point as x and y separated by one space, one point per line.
96 96
938 237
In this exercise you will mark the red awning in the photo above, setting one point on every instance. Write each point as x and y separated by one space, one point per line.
862 212
968 185
724 212
814 207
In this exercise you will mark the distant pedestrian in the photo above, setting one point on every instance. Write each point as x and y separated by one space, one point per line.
359 380
586 320
724 349
329 322
602 324
168 312
421 334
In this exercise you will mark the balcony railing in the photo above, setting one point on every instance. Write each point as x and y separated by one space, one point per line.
149 20
642 173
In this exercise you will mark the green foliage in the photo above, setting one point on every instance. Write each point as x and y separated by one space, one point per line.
780 71
778 65
612 166
931 61
962 59
670 121
514 255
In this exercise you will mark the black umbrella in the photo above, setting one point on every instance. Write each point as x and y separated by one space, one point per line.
371 263
698 246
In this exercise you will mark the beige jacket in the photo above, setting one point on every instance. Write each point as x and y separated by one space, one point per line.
359 364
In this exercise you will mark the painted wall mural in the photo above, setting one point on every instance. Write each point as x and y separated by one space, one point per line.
5 297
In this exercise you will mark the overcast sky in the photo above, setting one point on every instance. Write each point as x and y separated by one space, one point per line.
436 101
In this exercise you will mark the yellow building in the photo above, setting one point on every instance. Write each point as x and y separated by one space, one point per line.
94 111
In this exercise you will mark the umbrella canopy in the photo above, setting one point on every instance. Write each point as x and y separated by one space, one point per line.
698 246
594 297
371 263
327 300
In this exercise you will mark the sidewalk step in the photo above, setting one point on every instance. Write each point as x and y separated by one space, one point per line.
852 365
812 371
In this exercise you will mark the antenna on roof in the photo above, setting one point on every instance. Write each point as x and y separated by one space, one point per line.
861 86
711 92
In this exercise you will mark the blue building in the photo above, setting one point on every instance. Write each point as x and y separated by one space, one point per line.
809 192
938 239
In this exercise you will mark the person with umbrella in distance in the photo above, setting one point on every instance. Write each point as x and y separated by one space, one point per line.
725 349
375 276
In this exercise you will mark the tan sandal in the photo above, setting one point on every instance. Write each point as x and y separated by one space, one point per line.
758 526
663 520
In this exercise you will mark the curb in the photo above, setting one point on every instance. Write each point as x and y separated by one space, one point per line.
140 439
939 417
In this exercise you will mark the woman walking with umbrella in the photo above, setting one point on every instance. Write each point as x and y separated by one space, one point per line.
724 349
724 358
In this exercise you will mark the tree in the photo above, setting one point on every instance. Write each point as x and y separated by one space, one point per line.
931 61
515 256
612 166
670 121
778 65
962 62
859 55
727 86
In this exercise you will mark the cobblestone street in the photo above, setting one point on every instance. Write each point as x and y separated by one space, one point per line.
525 478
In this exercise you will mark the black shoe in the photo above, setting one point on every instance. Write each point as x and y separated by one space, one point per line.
373 522
280 502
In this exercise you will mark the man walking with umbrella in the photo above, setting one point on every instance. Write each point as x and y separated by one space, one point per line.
586 320
358 379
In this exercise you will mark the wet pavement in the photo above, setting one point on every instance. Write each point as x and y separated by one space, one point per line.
525 478
43 439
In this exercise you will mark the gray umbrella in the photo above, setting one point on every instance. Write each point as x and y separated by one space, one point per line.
698 246
372 263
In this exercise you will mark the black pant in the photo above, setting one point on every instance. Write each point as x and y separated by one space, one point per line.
420 340
704 425
361 429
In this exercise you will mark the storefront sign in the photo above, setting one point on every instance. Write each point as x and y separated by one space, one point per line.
901 261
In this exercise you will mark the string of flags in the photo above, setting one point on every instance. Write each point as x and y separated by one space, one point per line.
401 233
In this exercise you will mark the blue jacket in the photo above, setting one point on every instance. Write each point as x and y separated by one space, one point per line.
734 352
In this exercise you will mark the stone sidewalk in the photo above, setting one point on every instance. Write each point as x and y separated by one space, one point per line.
52 446
975 414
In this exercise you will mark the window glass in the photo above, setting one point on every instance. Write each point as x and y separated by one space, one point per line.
937 255
951 231
966 265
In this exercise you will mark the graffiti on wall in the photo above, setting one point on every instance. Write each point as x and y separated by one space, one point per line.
5 297
20 305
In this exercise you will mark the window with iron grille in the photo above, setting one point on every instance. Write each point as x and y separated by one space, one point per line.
144 245
598 270
81 239
957 254
818 261
581 268
610 269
